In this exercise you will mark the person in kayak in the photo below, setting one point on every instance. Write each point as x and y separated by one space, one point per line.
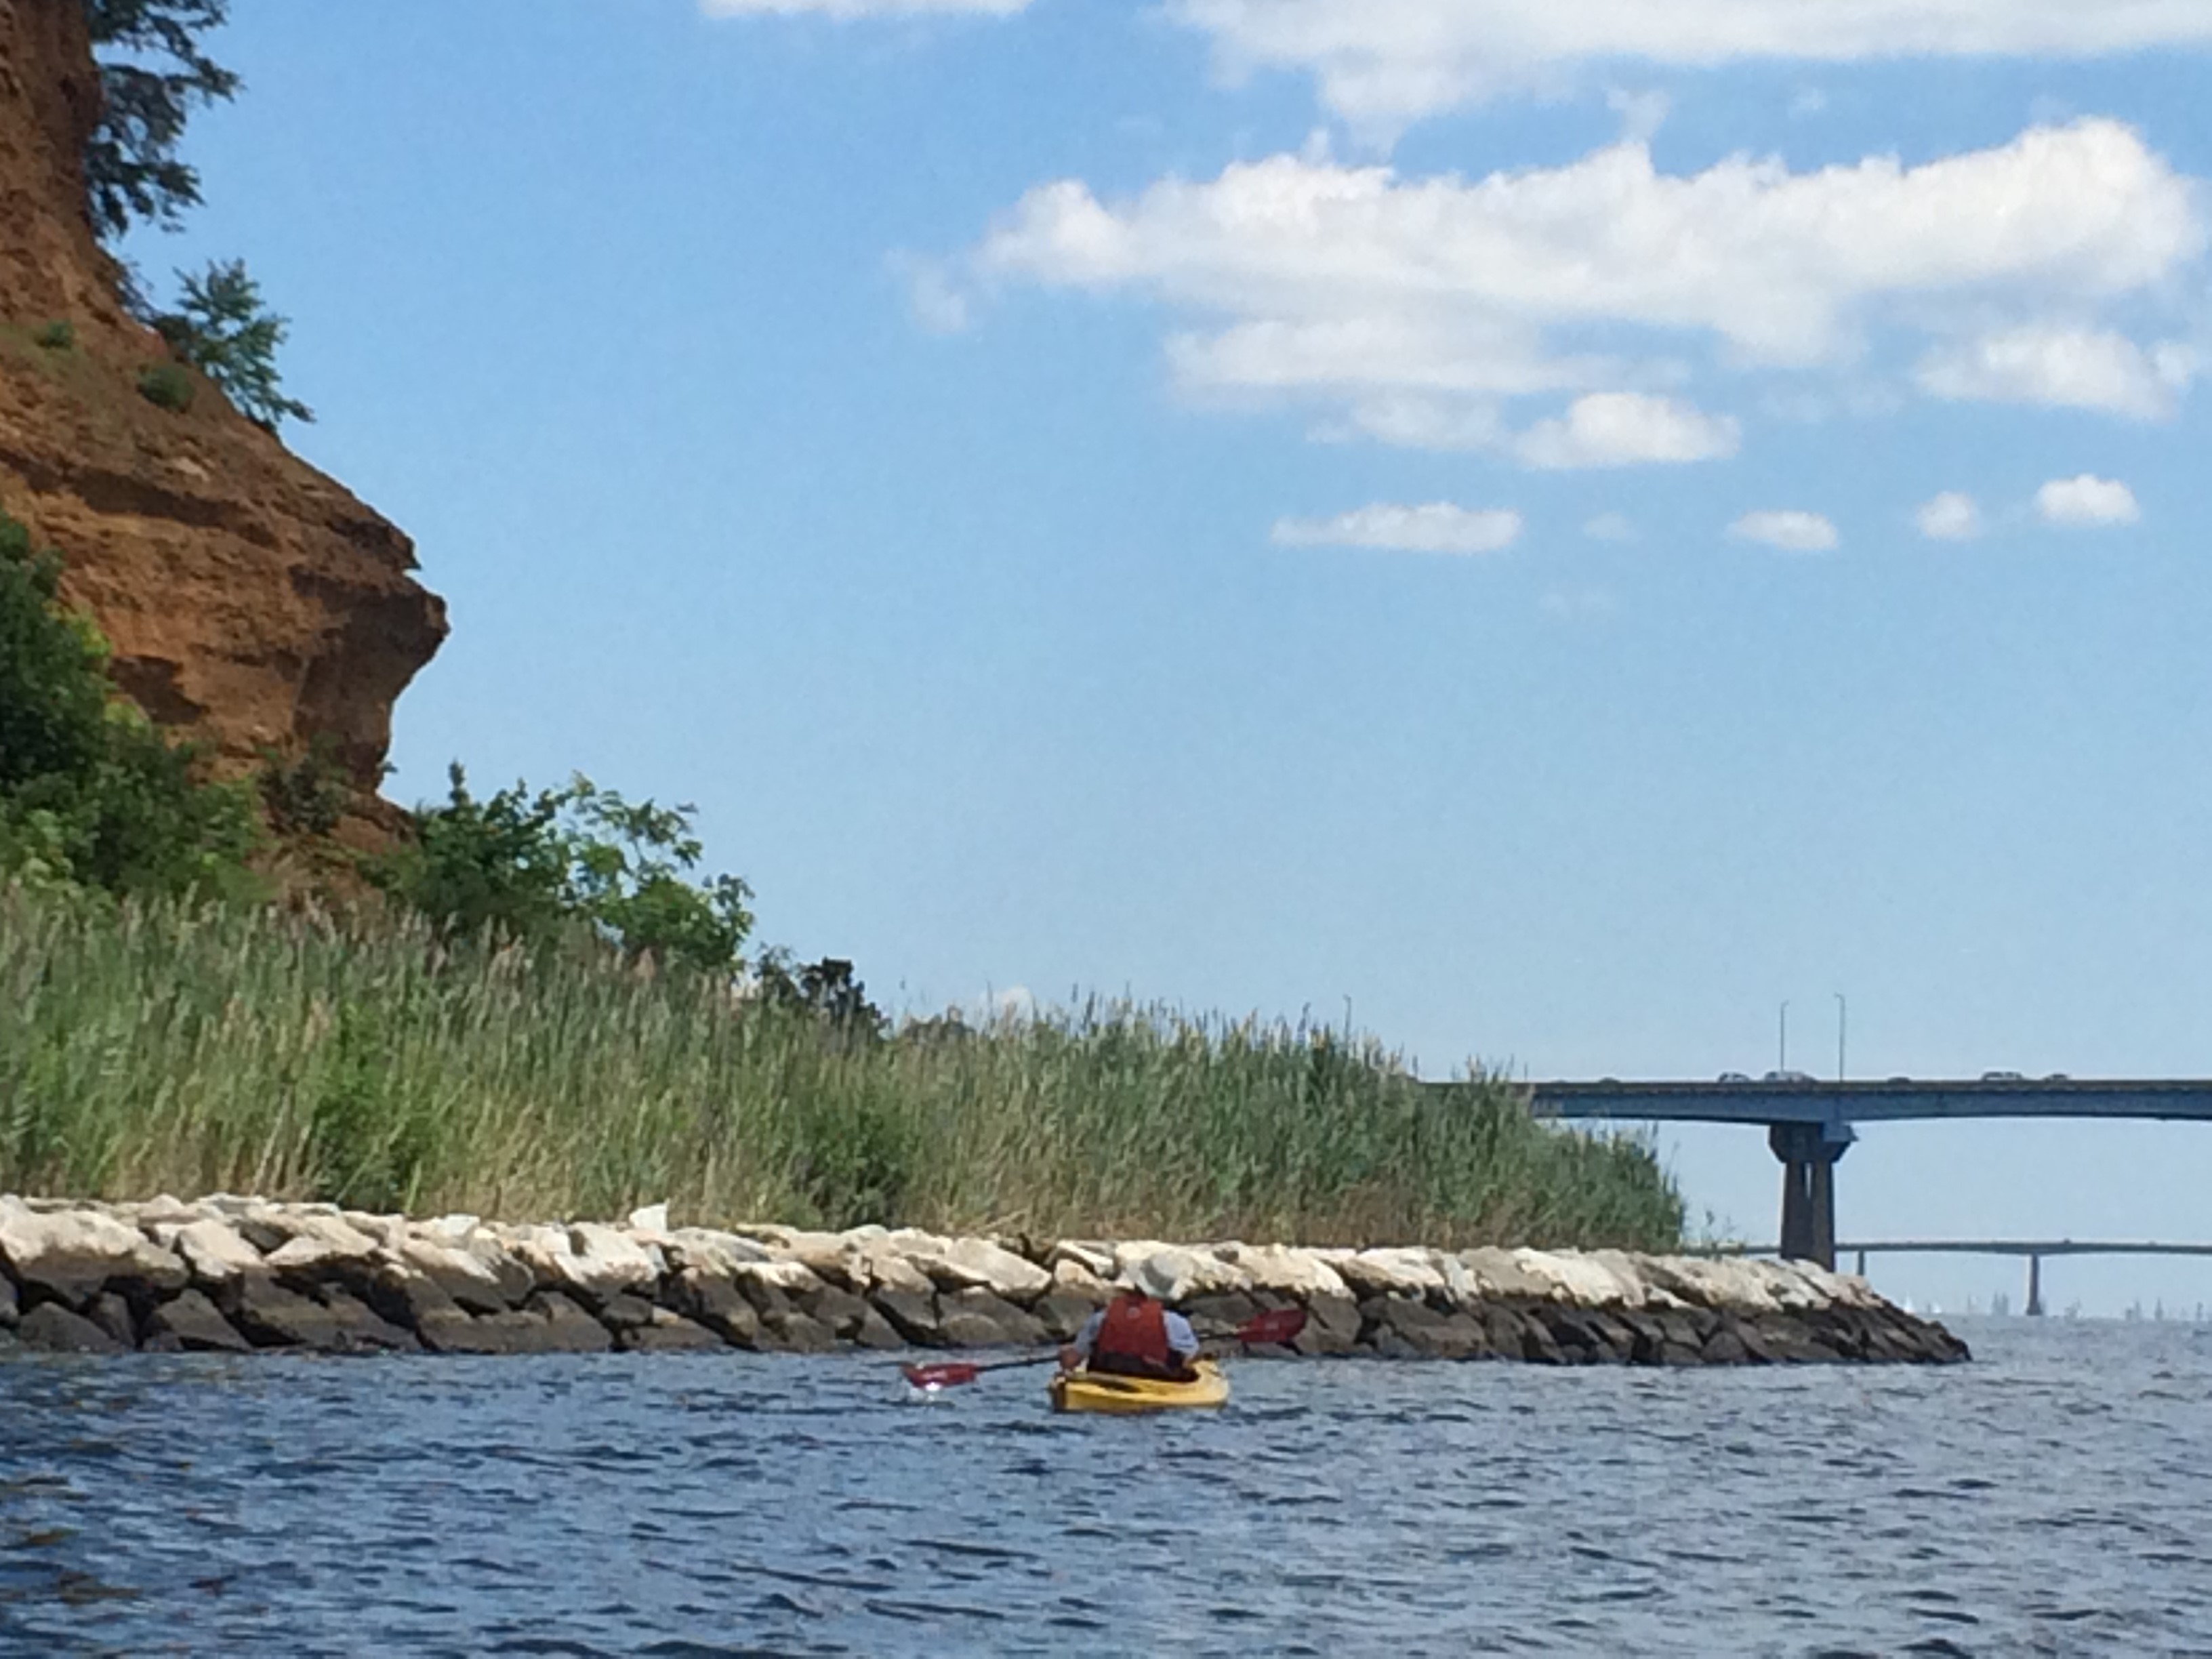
1133 1335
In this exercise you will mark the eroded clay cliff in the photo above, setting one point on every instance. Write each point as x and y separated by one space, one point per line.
253 602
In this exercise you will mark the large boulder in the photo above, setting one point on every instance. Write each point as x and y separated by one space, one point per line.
711 1300
965 1264
978 1318
57 1329
589 1258
1300 1273
189 1323
1394 1272
669 1333
214 1250
703 1249
73 1254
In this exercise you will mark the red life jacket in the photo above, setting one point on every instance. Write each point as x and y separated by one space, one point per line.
1134 1331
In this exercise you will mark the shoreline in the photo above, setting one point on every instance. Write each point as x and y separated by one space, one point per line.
240 1274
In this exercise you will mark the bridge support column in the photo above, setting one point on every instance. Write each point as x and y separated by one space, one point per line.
2034 1285
1808 1152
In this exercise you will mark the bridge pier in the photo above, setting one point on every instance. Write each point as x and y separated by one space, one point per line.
2034 1285
1808 1152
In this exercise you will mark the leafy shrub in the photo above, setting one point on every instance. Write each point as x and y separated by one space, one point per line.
223 329
57 337
304 795
91 793
166 386
537 866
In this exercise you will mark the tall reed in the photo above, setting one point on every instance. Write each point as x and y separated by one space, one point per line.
166 1047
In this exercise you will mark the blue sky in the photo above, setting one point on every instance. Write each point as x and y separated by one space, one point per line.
1553 524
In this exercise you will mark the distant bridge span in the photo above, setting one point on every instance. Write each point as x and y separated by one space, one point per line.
1810 1123
2033 1249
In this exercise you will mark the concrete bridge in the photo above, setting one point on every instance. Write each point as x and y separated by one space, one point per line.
1810 1124
2034 1250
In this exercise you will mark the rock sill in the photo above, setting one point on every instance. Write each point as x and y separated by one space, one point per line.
243 1274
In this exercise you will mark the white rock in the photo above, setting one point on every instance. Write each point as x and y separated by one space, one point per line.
1399 1271
1578 1278
717 1255
653 1219
1096 1259
606 1260
212 1249
73 1253
456 1230
965 1264
1279 1267
1716 1283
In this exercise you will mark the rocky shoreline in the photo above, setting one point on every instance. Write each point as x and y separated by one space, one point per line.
239 1274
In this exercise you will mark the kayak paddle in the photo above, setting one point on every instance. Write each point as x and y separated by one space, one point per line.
1277 1325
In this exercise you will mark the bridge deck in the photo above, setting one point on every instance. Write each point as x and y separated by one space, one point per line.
1896 1100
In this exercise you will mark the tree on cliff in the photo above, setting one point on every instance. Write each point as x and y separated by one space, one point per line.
152 75
537 866
91 794
221 328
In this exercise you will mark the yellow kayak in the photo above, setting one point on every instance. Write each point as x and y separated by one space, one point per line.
1096 1391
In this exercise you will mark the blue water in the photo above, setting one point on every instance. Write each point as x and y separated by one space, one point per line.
2053 1498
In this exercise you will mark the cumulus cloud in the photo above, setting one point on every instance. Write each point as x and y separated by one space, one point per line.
2087 500
860 8
1436 527
1619 428
1420 304
2076 367
1610 527
1953 516
1380 64
1790 531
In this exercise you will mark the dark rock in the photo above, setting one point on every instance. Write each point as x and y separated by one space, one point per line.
719 1306
54 1329
1387 1344
1062 1313
976 1318
913 1315
9 1310
875 1332
1725 1347
669 1333
1219 1314
1678 1353
568 1328
360 1330
412 1300
112 1315
1429 1332
1538 1345
1507 1331
1332 1326
794 1331
1783 1341
453 1329
189 1323
274 1315
841 1310
625 1312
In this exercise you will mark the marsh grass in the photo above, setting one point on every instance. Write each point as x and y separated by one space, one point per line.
169 1048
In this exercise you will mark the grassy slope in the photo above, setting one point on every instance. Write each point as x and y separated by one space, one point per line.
167 1049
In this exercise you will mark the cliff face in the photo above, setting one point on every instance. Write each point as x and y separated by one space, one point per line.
251 599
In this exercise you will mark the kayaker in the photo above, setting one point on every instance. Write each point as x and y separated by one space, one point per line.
1133 1335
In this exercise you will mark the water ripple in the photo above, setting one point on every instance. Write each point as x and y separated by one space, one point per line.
2051 1499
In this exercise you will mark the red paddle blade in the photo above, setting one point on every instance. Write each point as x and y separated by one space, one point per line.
946 1375
1278 1325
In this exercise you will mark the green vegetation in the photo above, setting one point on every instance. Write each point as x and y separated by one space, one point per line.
57 337
170 1047
91 794
153 74
166 386
221 328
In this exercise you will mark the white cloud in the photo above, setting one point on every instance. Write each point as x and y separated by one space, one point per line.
1383 62
939 304
1610 527
2087 500
1790 531
1620 428
860 8
1952 516
2076 368
1418 304
1437 527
